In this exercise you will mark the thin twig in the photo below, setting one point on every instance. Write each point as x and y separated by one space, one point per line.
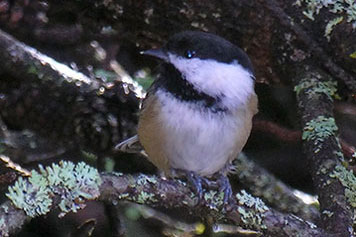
12 165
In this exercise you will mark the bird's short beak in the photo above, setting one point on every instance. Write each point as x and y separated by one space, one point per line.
157 53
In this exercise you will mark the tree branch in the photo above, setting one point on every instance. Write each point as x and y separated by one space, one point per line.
60 103
249 212
314 94
277 194
313 47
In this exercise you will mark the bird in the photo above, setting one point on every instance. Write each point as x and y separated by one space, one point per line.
197 115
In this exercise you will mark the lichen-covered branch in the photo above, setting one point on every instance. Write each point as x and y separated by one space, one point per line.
72 185
249 212
64 185
277 194
287 18
315 91
11 219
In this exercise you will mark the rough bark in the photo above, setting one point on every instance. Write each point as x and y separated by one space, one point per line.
60 103
323 150
158 192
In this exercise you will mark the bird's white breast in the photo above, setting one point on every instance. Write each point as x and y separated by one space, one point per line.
198 139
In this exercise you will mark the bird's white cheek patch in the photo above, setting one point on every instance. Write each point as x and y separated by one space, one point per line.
231 82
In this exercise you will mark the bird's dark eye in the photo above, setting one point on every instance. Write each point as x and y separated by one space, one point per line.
189 53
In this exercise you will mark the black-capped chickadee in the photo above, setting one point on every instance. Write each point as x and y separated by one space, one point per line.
197 115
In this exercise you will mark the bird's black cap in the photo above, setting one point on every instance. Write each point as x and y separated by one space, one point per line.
202 45
206 46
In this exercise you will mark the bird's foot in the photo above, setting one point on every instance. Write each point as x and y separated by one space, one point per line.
220 182
225 187
197 182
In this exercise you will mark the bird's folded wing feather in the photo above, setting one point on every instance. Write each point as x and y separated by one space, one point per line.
130 145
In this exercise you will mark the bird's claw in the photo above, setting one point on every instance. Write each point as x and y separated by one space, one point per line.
225 187
196 181
222 184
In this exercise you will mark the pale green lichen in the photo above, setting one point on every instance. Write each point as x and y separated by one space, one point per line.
5 208
314 87
3 229
32 195
72 183
339 153
317 130
338 7
215 199
145 197
143 179
348 180
117 174
330 26
123 195
59 174
253 216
